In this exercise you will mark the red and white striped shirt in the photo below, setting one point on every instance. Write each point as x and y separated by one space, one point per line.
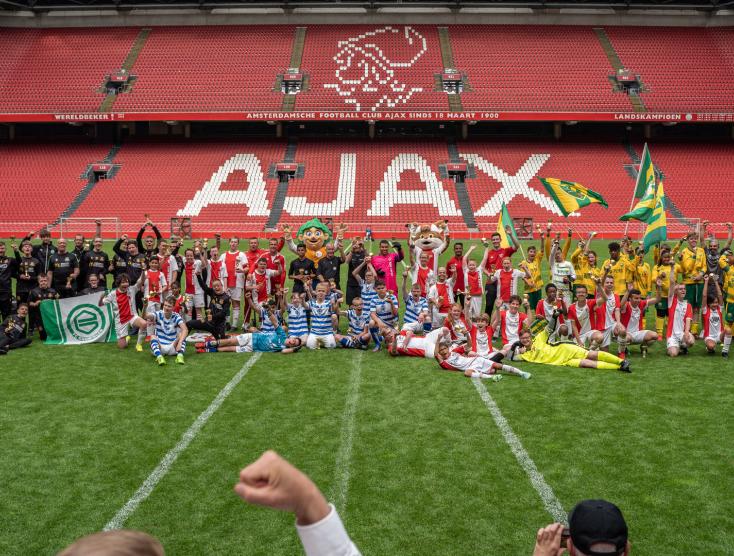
678 313
155 283
123 304
711 322
510 326
633 317
473 282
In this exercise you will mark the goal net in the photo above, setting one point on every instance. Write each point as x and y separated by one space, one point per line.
89 227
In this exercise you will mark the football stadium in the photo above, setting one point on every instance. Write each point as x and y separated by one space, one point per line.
356 277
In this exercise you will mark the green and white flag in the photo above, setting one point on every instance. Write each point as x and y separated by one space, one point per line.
78 320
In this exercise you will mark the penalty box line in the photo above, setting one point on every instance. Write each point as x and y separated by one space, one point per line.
169 459
550 500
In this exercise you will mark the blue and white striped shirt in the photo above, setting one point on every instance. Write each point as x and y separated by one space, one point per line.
413 308
297 321
357 322
383 308
368 293
265 324
321 318
167 329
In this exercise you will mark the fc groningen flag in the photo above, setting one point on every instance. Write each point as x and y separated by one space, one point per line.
77 320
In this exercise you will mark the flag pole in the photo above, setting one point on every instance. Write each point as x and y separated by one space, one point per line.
634 190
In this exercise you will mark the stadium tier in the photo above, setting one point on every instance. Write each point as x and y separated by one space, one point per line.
214 68
370 69
39 182
689 68
520 68
163 179
233 187
47 70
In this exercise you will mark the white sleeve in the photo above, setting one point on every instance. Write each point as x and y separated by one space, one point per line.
172 264
108 298
327 537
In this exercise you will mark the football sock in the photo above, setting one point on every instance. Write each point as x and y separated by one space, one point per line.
486 376
235 316
509 369
183 348
155 347
695 329
621 344
375 333
607 365
609 358
659 326
142 332
346 342
727 343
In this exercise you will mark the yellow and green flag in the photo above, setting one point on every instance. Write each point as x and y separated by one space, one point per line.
644 207
505 220
657 228
645 174
570 196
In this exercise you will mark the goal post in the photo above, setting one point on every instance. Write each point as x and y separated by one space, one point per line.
107 227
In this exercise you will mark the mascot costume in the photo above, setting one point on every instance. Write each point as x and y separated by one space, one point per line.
314 234
433 239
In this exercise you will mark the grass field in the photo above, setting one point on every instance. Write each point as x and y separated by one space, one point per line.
409 453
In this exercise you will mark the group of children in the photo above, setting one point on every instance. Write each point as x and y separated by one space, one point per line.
578 313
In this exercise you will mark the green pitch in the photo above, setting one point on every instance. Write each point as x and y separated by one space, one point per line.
410 453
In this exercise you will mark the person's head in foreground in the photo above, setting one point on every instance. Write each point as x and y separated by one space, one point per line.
595 528
115 543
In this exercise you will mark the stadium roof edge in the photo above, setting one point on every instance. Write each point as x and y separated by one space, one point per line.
101 14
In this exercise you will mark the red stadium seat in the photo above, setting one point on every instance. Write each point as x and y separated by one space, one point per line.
225 186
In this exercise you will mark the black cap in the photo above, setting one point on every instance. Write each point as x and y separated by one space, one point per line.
596 521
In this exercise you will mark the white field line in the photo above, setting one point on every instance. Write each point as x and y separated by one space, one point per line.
168 460
544 490
344 456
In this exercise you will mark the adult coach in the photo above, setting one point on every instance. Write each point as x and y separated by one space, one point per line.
354 260
492 262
